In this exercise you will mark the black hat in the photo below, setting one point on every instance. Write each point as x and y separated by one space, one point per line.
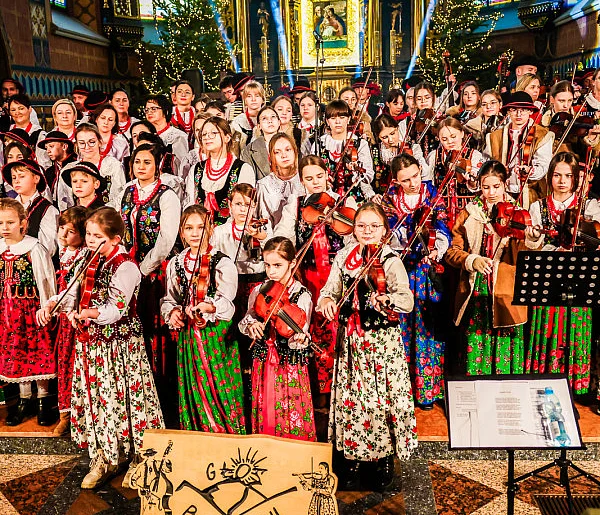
56 136
372 86
520 100
85 167
239 80
31 165
95 99
19 135
525 60
80 89
302 85
411 82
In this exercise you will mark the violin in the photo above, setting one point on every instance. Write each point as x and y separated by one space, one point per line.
560 123
87 285
503 71
426 119
509 220
588 231
251 243
199 285
462 165
447 74
427 237
273 303
375 280
319 207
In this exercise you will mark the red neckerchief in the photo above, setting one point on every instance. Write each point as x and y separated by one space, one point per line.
124 128
180 122
250 122
106 150
158 133
27 129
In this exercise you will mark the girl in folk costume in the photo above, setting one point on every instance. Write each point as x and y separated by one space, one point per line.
158 113
395 105
71 237
547 351
253 96
372 413
281 400
113 144
486 121
424 99
425 352
316 263
150 210
523 147
387 137
64 114
284 107
277 191
341 176
27 279
199 304
119 99
87 184
349 94
114 399
211 181
19 108
256 154
27 179
469 105
309 119
183 112
492 326
88 140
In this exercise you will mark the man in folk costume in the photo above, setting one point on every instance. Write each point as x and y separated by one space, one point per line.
60 150
524 147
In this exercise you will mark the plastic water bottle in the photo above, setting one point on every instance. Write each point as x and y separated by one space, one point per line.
556 419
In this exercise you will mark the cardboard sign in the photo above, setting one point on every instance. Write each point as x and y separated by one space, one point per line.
193 473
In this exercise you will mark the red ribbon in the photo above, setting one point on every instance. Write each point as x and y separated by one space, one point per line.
321 249
354 320
268 408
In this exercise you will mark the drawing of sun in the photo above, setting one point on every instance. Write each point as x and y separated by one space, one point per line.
244 469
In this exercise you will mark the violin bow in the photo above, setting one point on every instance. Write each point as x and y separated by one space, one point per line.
248 216
583 194
76 278
436 112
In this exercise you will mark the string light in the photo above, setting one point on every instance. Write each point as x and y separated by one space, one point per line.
453 26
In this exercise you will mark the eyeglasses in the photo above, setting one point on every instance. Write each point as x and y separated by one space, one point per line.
490 104
90 144
149 110
364 227
210 135
423 99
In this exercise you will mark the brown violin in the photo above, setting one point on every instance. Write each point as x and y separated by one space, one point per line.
251 243
319 207
562 122
426 119
510 220
375 280
462 165
199 284
273 303
588 232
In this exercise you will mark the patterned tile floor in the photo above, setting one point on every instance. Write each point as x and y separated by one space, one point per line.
41 475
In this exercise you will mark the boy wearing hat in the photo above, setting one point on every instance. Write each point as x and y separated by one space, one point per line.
236 107
60 150
509 143
27 179
87 184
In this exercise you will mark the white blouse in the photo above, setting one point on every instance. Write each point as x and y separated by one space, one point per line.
276 198
178 141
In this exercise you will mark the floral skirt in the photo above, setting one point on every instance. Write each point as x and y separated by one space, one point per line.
547 351
65 353
26 350
211 396
114 398
281 399
372 413
490 350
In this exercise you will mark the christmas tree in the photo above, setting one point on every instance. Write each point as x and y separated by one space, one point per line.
462 27
192 35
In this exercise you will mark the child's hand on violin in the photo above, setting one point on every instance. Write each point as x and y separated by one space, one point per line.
483 265
522 171
533 232
377 199
431 257
176 319
379 301
256 330
78 319
299 341
42 316
328 308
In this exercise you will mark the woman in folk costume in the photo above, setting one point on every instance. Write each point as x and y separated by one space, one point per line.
211 181
201 288
491 324
547 351
372 413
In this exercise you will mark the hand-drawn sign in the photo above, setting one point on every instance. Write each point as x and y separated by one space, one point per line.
192 473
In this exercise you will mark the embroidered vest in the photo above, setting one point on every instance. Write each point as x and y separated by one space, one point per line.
547 223
35 213
147 222
16 277
383 172
303 232
221 195
341 179
212 272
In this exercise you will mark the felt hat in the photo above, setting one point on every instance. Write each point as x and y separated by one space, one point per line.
372 86
56 137
239 80
94 99
80 89
85 167
19 135
31 165
525 60
519 100
302 85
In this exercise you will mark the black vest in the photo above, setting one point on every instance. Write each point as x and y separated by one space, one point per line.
35 213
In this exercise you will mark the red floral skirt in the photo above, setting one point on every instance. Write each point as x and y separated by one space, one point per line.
65 351
26 350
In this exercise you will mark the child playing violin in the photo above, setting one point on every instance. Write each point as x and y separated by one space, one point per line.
372 413
547 351
201 288
410 198
281 399
326 240
492 325
114 398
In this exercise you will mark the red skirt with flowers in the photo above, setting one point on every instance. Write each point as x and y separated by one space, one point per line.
65 350
26 350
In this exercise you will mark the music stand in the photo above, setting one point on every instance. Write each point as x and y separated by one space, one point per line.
559 279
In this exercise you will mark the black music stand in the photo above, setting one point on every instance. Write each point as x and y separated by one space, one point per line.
567 279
